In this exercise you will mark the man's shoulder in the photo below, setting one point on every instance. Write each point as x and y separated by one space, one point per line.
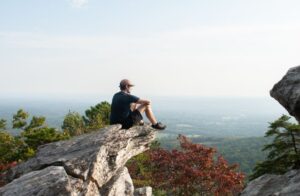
122 94
118 94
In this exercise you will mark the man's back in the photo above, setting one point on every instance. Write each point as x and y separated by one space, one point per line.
120 107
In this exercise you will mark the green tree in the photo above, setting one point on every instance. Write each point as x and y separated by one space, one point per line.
283 152
36 132
97 116
2 124
73 124
13 148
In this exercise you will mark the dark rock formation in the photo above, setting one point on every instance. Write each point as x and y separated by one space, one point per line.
90 164
287 92
275 185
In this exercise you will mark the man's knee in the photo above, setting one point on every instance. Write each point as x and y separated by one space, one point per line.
148 103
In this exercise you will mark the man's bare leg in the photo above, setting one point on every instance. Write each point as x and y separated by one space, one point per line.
148 111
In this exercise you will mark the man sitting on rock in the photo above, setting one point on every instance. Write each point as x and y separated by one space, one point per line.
127 109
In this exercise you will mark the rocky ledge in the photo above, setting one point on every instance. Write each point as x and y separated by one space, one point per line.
90 164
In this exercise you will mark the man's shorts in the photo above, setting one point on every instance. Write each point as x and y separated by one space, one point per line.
133 118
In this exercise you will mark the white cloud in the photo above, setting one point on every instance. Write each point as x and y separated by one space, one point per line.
78 3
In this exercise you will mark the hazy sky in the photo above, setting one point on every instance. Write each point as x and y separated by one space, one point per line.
166 47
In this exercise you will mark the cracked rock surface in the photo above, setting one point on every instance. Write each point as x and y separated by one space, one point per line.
85 164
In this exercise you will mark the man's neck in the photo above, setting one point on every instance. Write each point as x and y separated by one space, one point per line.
124 91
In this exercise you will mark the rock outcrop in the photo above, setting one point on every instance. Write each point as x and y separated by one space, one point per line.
287 92
90 164
275 185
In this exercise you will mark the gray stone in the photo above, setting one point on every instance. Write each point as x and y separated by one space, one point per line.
281 185
90 160
287 92
144 191
49 181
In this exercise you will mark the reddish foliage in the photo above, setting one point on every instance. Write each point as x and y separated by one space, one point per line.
190 170
3 168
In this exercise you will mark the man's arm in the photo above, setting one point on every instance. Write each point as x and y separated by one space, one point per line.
133 106
143 101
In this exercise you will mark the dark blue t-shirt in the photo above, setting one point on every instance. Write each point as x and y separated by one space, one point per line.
120 107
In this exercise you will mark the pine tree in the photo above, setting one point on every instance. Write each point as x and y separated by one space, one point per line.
36 132
284 151
97 116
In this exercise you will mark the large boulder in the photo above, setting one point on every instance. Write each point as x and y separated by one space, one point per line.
287 92
270 184
90 164
52 180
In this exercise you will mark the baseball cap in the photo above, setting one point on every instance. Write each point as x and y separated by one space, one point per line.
125 82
